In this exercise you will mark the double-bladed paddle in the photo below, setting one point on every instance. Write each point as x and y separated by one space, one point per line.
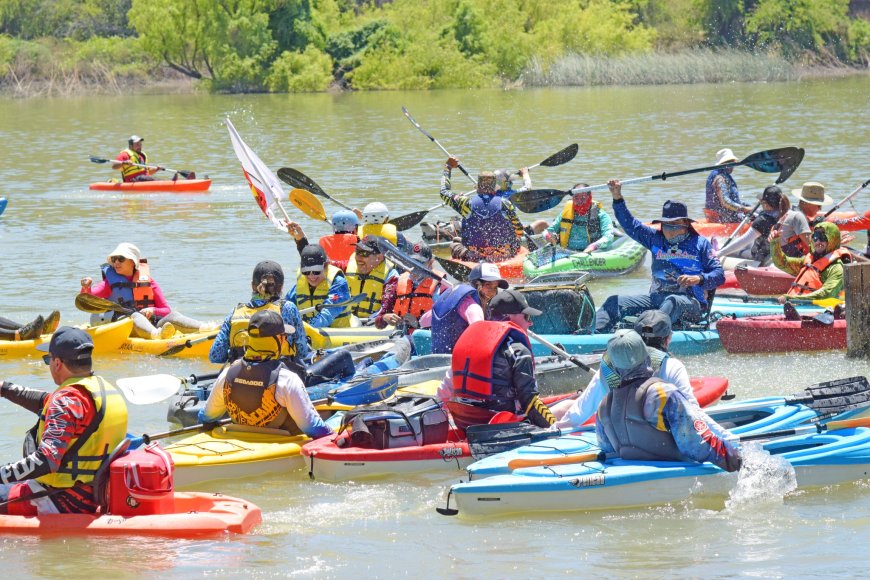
95 305
783 161
184 173
846 199
298 179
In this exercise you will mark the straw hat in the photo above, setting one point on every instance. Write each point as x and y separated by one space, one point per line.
725 156
814 193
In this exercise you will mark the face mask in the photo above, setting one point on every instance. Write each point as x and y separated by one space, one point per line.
678 239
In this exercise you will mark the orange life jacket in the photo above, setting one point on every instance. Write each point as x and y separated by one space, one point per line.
809 279
414 300
339 247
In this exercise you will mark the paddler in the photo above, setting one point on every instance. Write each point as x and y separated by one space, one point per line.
491 230
819 274
340 244
134 154
754 242
259 390
493 369
410 294
463 305
654 327
684 267
504 178
127 280
11 330
367 273
723 204
582 226
320 283
79 426
645 418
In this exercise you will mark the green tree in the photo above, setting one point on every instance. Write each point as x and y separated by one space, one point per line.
298 72
800 25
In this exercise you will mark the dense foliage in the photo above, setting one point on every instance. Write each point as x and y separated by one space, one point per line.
310 45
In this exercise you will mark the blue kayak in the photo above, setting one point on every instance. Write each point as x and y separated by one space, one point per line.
3 202
818 459
739 308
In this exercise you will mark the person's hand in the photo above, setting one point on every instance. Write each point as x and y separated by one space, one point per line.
549 237
87 281
452 161
615 188
773 235
591 248
523 171
147 313
782 299
359 214
847 239
392 319
295 230
687 280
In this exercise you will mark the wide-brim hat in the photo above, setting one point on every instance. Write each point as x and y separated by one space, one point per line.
127 250
813 192
673 211
725 156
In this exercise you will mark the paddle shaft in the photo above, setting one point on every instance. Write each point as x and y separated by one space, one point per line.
318 307
185 430
434 140
187 344
740 226
142 165
847 198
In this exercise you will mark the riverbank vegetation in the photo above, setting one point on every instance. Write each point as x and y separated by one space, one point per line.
315 45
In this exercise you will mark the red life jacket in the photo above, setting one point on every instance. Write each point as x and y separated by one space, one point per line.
474 357
339 247
414 300
809 279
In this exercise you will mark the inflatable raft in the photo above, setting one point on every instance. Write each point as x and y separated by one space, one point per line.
624 256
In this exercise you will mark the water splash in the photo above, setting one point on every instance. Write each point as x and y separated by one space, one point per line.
762 479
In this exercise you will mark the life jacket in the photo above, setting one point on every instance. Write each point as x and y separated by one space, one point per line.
621 417
306 297
725 216
371 284
592 223
387 231
239 329
473 360
135 293
249 393
809 279
611 377
414 300
486 230
447 324
760 250
130 172
89 450
339 247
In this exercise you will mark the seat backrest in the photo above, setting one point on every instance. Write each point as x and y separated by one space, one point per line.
101 479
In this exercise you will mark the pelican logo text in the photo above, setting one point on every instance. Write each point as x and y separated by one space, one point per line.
450 452
588 480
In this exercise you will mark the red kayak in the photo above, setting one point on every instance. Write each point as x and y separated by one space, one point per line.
177 186
511 269
776 334
329 462
764 281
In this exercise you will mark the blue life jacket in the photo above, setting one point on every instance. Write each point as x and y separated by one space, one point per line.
725 215
135 294
447 324
486 226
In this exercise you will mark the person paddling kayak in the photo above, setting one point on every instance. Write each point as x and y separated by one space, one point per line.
723 204
753 243
819 274
582 225
134 154
320 283
79 426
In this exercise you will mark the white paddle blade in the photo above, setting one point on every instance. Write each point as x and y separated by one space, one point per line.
149 389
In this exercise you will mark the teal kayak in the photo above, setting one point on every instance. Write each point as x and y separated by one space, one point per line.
753 306
3 202
622 257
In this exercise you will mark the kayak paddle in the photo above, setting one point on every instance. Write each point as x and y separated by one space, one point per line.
184 173
846 199
149 389
185 430
94 305
783 161
299 180
173 350
305 202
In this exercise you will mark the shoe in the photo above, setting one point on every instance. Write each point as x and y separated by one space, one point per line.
51 322
839 312
826 318
167 330
31 330
790 311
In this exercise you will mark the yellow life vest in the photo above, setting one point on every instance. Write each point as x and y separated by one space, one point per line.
239 329
128 172
88 451
593 227
387 231
371 284
306 297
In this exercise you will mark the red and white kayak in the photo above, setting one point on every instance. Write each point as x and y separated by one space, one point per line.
776 334
329 462
195 514
168 186
763 281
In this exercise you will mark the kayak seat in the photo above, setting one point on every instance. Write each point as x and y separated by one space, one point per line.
101 478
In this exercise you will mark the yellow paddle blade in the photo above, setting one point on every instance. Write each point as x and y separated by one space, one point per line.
308 204
827 302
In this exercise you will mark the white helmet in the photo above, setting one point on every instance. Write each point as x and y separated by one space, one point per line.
376 213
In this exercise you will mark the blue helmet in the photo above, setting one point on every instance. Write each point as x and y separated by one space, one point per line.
344 222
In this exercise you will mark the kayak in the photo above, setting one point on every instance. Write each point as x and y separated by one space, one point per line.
766 281
3 203
742 307
718 230
683 342
108 338
818 459
511 269
776 334
177 186
624 256
195 514
328 337
200 344
332 459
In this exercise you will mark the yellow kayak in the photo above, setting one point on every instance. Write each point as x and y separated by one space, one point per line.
333 337
200 344
107 339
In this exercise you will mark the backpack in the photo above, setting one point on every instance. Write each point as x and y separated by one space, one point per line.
406 422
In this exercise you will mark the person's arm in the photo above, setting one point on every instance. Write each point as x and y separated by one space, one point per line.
30 399
101 289
469 310
388 302
215 406
527 180
832 282
219 352
290 393
291 316
526 386
674 372
780 260
161 307
712 274
634 228
511 213
586 405
719 188
455 201
605 224
121 160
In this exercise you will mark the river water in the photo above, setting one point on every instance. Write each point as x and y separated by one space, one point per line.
360 148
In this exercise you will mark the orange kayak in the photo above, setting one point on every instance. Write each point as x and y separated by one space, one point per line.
177 186
511 269
195 514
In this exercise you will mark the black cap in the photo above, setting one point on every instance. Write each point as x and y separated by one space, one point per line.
268 268
69 344
772 195
266 323
369 244
421 252
653 324
673 211
313 258
511 301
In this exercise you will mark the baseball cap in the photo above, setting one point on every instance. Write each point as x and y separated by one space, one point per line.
369 244
653 324
421 252
69 344
487 272
511 302
313 259
626 350
267 323
135 139
268 268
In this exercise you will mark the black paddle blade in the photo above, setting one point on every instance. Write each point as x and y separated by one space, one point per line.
99 160
538 200
783 161
455 269
416 124
298 179
406 222
562 157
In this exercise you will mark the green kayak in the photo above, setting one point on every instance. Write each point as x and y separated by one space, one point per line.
622 257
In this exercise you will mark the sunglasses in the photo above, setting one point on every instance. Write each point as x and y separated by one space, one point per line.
674 227
819 237
312 273
46 358
365 254
119 259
